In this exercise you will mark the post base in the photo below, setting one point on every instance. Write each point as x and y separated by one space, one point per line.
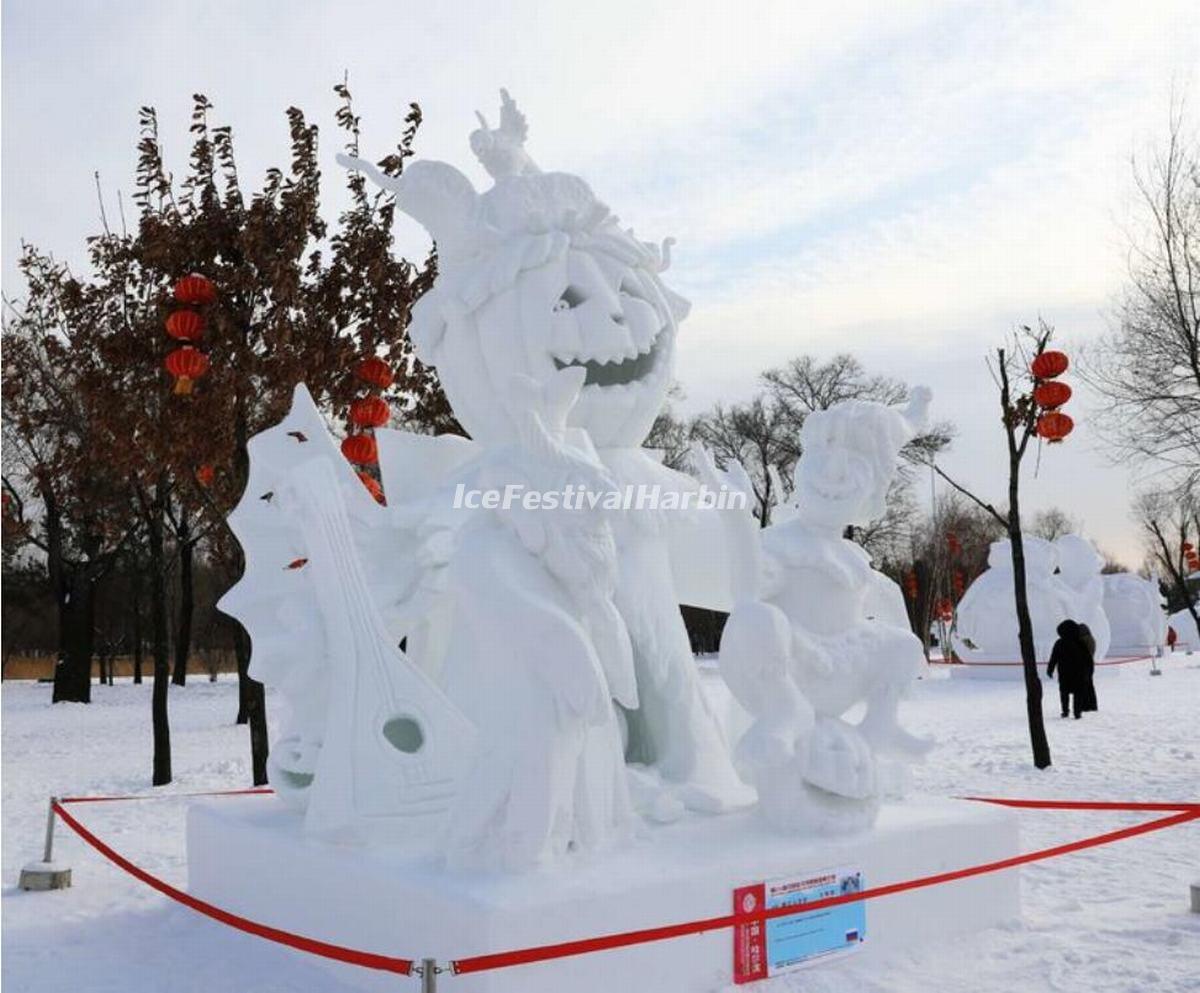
45 876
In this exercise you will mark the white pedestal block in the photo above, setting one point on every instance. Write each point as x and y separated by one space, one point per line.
248 855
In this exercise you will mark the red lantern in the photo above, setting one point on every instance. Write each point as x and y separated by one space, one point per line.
1051 395
1187 546
360 449
1048 365
186 325
205 475
375 372
196 290
187 365
1054 426
369 412
372 485
953 544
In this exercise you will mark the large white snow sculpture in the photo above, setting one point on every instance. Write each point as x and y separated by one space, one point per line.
1079 566
554 637
536 277
986 624
1134 608
806 640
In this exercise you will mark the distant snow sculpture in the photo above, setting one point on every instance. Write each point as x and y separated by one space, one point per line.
986 624
813 632
1135 611
1079 566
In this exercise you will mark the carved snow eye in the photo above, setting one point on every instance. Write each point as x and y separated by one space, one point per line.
571 298
404 734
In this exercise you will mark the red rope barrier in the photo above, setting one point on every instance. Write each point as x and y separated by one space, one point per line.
543 953
339 953
1115 660
1179 813
257 791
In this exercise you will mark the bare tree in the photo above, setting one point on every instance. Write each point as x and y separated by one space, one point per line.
1021 417
1148 369
1170 519
760 436
1052 523
670 435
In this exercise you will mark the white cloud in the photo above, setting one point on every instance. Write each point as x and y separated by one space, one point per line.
904 180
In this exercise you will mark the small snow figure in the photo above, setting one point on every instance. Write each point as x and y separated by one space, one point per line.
1073 661
803 644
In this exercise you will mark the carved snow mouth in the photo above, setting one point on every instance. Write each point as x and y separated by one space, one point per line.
618 373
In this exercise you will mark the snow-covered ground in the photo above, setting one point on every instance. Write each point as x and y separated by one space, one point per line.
1109 920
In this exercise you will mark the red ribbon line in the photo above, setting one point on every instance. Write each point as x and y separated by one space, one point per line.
1179 813
543 953
257 791
368 960
1116 660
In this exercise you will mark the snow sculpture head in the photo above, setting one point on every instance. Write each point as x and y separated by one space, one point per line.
1077 559
536 275
850 458
1041 559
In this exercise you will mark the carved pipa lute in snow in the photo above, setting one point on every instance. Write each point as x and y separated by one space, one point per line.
372 748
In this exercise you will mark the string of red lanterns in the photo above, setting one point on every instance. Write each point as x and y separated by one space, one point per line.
187 363
1052 424
365 415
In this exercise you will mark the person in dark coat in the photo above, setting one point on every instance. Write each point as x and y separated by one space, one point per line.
1072 660
1087 685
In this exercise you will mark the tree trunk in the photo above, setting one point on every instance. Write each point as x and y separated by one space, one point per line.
161 648
252 709
187 606
76 634
137 625
1033 681
252 704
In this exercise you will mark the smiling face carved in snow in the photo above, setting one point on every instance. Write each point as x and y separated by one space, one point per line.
849 459
535 276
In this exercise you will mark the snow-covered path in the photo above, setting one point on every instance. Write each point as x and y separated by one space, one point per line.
1110 920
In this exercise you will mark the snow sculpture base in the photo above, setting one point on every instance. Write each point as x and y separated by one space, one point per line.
248 855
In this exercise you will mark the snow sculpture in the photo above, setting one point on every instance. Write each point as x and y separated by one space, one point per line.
543 649
986 627
1134 608
806 640
370 746
539 651
1079 566
1185 631
535 277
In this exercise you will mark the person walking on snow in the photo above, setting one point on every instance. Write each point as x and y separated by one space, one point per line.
1087 685
1072 660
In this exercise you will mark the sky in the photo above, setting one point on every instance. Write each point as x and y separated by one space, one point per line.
908 182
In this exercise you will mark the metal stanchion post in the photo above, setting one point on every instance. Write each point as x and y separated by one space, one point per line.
1154 669
46 875
428 971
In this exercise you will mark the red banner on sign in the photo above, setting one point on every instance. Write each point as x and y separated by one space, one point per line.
750 939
